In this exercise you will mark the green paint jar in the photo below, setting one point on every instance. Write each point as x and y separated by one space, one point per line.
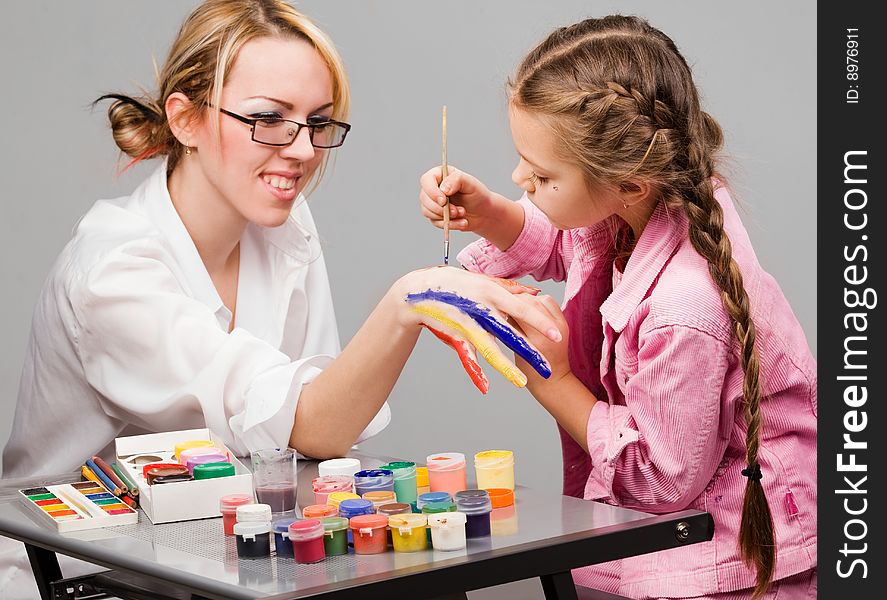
335 535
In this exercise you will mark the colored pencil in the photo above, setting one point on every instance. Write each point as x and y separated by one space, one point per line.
103 478
444 171
87 472
107 470
129 500
131 488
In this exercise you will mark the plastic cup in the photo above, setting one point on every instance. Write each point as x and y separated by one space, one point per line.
447 530
369 533
274 478
339 466
494 469
228 507
307 540
408 532
325 485
446 472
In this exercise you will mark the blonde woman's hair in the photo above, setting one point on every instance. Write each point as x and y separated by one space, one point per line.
622 101
198 63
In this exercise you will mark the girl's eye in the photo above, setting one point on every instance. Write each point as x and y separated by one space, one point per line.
538 180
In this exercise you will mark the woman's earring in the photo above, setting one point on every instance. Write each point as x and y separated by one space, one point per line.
188 150
624 204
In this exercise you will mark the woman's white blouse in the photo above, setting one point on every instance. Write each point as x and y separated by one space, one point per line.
130 336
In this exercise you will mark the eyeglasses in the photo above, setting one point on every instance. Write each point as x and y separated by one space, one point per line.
324 133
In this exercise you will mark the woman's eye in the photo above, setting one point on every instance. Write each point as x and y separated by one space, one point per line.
268 119
318 120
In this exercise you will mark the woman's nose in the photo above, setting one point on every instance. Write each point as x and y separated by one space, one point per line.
301 149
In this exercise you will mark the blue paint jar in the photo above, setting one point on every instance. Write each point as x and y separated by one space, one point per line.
281 530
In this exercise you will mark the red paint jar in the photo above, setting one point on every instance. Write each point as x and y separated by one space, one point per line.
370 533
228 507
307 539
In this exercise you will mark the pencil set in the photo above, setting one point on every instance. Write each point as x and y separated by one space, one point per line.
112 477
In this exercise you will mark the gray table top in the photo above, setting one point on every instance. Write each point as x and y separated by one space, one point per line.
197 555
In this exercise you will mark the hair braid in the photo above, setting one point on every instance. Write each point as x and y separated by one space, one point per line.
756 537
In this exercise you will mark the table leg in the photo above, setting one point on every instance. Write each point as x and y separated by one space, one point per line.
46 569
559 586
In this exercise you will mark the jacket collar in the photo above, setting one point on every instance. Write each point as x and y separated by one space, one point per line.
662 235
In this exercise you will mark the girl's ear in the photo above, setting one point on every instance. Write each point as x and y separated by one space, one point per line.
632 192
182 120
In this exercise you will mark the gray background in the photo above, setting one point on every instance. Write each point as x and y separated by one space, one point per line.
754 62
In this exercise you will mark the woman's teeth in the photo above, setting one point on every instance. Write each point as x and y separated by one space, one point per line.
280 183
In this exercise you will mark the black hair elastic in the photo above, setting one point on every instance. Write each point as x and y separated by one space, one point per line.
753 472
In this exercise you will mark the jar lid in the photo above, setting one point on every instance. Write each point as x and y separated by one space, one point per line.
501 497
253 512
372 521
213 470
174 478
251 528
424 499
331 524
326 484
474 506
191 444
305 529
373 475
471 494
338 466
317 511
404 523
337 498
150 467
445 461
380 497
232 501
394 508
402 469
437 507
354 507
187 453
447 520
282 525
421 476
206 457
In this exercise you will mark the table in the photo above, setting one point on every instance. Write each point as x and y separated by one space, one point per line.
543 535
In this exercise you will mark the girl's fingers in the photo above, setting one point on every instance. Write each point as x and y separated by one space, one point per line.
530 314
515 287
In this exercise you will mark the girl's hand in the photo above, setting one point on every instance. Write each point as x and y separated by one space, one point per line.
464 309
471 202
557 352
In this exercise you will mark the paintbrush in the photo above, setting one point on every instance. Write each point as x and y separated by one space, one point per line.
444 171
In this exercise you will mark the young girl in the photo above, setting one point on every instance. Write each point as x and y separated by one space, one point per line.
685 381
202 299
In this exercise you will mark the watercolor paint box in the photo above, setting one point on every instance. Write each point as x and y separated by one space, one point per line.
184 500
78 506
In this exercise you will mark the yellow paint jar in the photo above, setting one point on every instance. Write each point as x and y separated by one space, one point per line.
336 498
494 469
408 532
191 444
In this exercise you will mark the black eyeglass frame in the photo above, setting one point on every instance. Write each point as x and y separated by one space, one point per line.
252 123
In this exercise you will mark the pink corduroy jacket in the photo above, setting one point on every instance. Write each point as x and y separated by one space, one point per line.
656 347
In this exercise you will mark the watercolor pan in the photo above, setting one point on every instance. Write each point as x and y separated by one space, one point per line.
78 506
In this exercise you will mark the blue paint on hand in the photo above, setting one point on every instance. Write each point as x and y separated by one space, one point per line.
485 319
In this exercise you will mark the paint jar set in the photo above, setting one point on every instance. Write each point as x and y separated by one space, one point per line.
182 475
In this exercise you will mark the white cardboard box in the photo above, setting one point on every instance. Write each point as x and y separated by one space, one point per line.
184 500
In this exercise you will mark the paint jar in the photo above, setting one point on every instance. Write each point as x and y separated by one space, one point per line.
422 486
178 478
501 497
181 446
442 506
373 480
494 469
202 459
447 531
274 478
228 507
152 474
307 540
336 498
253 539
395 508
380 498
408 532
200 451
339 466
213 470
503 521
281 530
369 532
327 484
353 507
470 494
319 511
477 510
446 472
404 480
424 499
253 513
335 535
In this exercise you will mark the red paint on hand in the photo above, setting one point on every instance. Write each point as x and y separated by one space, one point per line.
467 356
